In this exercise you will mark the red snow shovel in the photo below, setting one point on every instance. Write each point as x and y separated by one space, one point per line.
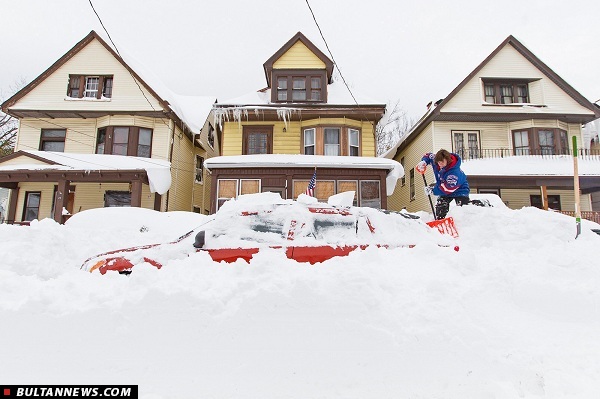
444 226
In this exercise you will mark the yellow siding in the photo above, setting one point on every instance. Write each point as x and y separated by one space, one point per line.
201 191
94 59
87 196
519 198
412 155
368 139
182 174
47 192
232 138
289 142
299 57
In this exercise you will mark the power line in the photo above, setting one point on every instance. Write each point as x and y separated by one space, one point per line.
330 53
119 54
336 64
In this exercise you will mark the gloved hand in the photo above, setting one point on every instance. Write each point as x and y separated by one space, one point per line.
428 190
421 167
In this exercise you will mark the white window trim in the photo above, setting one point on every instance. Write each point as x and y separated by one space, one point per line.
350 130
314 136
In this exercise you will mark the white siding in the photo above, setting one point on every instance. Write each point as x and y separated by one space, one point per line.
509 63
94 59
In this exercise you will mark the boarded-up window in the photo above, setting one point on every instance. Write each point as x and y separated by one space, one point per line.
324 189
249 186
299 187
226 189
349 185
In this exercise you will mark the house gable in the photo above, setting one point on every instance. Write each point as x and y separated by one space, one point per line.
509 65
24 158
91 58
548 75
298 53
299 57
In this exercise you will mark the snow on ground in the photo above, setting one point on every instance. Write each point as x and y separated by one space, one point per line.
514 314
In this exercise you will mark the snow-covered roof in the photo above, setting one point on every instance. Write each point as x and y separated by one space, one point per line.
337 94
192 110
159 171
534 165
395 170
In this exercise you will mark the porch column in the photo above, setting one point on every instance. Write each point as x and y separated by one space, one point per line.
12 205
61 199
157 201
544 193
136 193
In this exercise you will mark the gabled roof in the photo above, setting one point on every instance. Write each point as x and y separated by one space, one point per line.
174 106
66 57
539 64
434 112
268 65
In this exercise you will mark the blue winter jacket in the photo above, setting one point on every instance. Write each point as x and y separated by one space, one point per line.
451 181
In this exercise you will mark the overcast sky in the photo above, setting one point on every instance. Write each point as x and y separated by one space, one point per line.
406 51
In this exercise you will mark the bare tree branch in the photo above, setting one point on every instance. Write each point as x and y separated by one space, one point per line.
391 128
8 124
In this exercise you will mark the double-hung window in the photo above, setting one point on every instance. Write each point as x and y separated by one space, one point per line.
93 86
521 142
506 91
466 144
298 85
124 140
546 138
299 89
540 141
31 210
331 141
353 144
309 141
53 140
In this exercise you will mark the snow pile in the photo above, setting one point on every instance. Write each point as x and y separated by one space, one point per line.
513 314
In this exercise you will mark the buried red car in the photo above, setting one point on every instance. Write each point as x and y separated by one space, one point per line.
306 232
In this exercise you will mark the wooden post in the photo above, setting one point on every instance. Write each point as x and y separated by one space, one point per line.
61 199
136 193
576 188
544 191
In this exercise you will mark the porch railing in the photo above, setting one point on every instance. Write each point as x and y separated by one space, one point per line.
594 216
477 153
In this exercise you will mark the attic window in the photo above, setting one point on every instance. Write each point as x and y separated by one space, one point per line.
505 91
93 86
301 85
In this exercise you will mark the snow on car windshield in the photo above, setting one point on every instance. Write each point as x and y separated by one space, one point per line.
265 219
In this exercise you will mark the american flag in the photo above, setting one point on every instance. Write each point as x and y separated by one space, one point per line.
310 190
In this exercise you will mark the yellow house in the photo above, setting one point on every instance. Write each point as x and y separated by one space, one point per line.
512 121
305 112
92 103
